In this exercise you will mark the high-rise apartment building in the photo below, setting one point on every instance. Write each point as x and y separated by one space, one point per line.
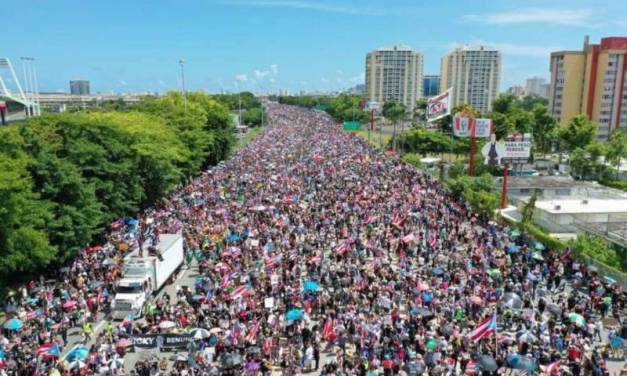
591 82
430 85
518 91
79 87
474 74
394 74
537 86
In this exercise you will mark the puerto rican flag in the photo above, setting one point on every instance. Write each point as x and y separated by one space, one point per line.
485 328
273 262
398 220
433 240
409 238
552 369
241 292
472 368
370 219
228 277
343 247
252 332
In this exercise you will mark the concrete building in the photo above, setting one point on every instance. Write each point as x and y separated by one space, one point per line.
474 74
59 102
430 85
591 82
518 91
79 87
394 74
537 86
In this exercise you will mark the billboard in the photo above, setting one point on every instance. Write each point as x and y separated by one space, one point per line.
464 127
502 152
438 107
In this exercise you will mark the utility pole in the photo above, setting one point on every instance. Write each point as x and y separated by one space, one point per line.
182 64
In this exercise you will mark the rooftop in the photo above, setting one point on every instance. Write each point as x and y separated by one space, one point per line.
545 182
583 206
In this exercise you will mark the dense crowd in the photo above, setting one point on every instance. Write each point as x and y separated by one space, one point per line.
316 252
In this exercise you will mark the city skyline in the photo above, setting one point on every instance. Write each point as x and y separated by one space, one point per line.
272 45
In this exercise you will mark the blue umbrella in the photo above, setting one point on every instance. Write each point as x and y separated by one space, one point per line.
233 238
32 301
78 353
512 249
13 324
539 246
437 271
427 297
96 284
311 286
295 314
517 361
617 342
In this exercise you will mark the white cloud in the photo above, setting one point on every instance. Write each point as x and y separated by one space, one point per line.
325 80
573 17
261 74
340 72
274 69
241 77
359 79
308 5
161 83
272 80
123 83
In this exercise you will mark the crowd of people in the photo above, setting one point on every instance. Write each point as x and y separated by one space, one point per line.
317 253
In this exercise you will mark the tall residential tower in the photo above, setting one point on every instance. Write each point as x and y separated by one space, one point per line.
591 82
394 74
474 74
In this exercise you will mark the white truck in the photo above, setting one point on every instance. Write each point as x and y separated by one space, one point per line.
144 276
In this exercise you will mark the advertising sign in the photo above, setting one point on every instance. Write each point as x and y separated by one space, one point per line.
161 341
501 152
438 107
463 127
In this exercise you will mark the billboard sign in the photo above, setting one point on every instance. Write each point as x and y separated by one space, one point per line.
464 127
438 107
372 106
502 152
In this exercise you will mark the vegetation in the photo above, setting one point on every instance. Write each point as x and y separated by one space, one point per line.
529 208
233 101
478 191
253 117
599 249
65 177
344 107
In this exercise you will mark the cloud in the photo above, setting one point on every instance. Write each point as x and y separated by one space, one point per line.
241 77
274 69
340 72
359 79
572 17
123 83
308 5
272 80
261 74
325 80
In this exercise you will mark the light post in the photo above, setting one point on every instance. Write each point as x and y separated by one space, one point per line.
182 63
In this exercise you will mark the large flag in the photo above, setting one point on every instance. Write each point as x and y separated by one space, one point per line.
485 328
240 292
252 332
552 369
440 106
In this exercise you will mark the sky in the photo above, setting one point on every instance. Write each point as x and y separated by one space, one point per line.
270 45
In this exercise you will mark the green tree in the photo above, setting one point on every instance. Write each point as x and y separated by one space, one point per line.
617 149
253 117
578 132
544 125
395 112
529 208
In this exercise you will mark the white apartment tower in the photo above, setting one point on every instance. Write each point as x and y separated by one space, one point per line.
394 74
474 74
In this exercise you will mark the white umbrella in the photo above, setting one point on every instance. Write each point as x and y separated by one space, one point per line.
116 363
78 364
167 324
200 333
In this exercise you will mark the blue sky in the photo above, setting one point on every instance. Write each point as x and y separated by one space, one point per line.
261 45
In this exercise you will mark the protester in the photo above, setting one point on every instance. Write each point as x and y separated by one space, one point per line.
318 253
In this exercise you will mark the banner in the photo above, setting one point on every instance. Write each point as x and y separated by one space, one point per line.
438 107
463 127
161 341
501 152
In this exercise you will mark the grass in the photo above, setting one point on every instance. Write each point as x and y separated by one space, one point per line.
248 137
378 141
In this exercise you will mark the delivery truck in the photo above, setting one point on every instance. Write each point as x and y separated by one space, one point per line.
143 276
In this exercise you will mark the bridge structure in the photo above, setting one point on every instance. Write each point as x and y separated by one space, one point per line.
11 88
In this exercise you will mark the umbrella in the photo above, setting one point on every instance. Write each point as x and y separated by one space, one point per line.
527 337
70 304
517 361
13 324
609 280
512 301
76 364
487 363
431 344
593 268
421 311
96 284
77 353
116 363
515 233
617 342
537 256
494 272
437 271
311 286
167 324
200 333
539 246
295 314
554 309
512 249
577 319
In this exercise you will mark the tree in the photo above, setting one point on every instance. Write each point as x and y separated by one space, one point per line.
529 208
395 112
252 117
543 127
578 132
617 148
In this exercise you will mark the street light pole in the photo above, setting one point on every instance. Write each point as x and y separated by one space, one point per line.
182 63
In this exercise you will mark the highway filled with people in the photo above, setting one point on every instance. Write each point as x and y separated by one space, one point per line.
311 252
